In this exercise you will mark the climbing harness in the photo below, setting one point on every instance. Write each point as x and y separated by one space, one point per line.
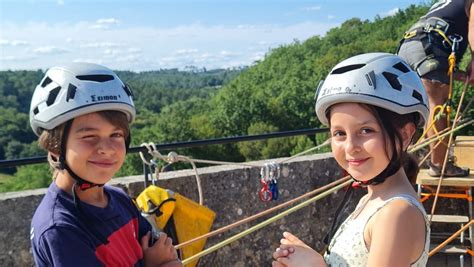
432 35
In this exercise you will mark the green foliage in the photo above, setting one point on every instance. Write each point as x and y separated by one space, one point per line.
28 177
274 147
274 94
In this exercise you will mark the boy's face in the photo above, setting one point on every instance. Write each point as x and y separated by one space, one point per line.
95 148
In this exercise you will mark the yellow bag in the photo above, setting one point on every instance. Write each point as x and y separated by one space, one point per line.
156 197
190 219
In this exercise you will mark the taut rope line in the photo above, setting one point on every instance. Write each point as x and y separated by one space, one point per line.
264 223
265 212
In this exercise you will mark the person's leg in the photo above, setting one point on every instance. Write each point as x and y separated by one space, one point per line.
437 95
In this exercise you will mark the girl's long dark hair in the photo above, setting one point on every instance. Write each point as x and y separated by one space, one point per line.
391 123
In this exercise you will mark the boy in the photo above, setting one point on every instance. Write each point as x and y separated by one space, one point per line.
81 113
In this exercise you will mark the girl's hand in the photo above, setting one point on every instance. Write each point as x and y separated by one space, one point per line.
161 253
294 252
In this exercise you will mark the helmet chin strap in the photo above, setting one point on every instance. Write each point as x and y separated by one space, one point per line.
392 167
81 183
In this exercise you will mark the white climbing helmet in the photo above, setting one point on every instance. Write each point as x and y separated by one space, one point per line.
76 89
378 79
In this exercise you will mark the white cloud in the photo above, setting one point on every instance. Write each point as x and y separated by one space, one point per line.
185 51
111 51
99 45
88 60
258 56
227 54
4 42
17 58
134 50
105 23
49 50
60 2
391 12
149 48
312 8
108 21
331 16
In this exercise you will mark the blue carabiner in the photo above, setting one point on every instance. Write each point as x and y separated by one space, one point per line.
274 189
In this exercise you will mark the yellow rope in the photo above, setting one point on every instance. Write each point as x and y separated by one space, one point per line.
424 144
265 212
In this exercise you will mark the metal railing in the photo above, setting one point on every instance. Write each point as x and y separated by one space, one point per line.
195 143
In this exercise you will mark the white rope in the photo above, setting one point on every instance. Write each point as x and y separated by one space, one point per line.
173 157
215 162
198 180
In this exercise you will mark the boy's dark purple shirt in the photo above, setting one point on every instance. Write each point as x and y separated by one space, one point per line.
60 237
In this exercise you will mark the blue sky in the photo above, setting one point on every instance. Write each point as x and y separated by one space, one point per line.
149 35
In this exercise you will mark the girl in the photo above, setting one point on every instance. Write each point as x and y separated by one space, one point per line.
372 104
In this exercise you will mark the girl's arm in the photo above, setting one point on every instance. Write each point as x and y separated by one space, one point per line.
396 236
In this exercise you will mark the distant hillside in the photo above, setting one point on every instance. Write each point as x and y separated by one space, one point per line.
274 94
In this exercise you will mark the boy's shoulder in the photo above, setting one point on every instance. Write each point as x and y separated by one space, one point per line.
55 209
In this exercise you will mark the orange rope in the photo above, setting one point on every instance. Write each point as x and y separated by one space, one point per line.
426 196
451 238
265 212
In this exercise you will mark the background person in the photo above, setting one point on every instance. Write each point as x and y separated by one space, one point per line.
426 47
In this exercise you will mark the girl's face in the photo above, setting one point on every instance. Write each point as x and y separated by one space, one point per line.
95 148
357 141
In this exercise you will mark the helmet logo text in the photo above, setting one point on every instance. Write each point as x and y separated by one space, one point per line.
95 98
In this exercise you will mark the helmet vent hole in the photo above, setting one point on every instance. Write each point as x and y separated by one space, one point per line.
347 68
417 95
393 80
36 111
96 78
401 67
371 79
46 81
71 92
128 90
52 95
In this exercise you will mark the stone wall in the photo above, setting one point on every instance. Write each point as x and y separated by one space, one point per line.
231 191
